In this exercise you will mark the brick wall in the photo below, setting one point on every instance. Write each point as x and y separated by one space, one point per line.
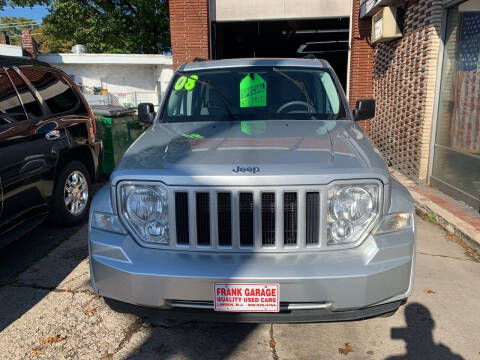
404 85
361 62
29 45
189 30
4 39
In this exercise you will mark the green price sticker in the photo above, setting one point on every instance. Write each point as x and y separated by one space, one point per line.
253 91
186 83
253 127
192 136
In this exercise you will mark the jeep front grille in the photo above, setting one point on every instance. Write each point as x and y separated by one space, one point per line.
241 219
246 218
290 218
312 217
224 216
203 218
181 217
268 219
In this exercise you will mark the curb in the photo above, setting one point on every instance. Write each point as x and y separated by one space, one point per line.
446 219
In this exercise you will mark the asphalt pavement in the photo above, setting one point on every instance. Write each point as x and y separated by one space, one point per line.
21 254
31 247
50 312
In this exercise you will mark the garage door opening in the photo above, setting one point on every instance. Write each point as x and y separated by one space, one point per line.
324 38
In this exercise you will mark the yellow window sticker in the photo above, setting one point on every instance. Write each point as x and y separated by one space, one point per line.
180 83
186 83
190 85
253 91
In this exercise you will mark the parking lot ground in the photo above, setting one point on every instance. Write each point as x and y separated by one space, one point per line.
50 312
19 255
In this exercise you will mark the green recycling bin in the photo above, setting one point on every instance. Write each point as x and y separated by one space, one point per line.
117 127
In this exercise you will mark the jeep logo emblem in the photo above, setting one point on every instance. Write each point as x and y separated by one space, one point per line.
249 169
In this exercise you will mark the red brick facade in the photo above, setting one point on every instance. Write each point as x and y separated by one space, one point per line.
4 39
29 45
361 62
189 30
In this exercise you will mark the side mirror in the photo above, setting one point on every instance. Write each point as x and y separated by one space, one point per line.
146 114
364 109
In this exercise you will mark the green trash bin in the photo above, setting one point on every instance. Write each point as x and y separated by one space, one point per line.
117 127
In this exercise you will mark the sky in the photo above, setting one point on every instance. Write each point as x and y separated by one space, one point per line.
36 13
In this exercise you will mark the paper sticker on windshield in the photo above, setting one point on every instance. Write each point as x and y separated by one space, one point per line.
193 136
186 82
253 127
253 91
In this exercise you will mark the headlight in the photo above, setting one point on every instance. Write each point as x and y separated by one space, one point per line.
352 208
145 208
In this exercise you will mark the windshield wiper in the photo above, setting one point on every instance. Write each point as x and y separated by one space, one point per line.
332 116
302 88
224 99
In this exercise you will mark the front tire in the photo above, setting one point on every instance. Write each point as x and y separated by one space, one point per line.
72 194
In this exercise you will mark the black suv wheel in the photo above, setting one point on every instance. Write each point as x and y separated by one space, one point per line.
72 194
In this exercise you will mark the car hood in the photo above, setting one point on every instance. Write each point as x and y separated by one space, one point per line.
272 152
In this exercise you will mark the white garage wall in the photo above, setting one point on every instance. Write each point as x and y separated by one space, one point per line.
118 78
10 50
128 78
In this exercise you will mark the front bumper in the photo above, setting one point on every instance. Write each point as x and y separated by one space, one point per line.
284 316
379 271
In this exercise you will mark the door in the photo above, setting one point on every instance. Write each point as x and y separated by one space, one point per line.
22 167
57 131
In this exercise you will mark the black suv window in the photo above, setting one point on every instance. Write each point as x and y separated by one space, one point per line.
11 109
31 105
58 95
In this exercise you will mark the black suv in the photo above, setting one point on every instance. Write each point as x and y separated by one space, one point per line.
48 152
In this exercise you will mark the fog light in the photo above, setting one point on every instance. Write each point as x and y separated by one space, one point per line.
156 228
341 230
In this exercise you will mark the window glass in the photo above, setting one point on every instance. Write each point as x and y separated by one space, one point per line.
32 107
253 93
11 109
456 163
333 100
57 94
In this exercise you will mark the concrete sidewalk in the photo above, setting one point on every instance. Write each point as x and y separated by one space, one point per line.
454 216
50 312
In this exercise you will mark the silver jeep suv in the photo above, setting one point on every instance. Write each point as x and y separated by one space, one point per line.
254 196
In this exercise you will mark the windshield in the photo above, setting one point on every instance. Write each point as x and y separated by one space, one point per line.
253 93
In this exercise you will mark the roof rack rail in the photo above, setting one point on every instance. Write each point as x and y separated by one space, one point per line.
198 59
310 56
